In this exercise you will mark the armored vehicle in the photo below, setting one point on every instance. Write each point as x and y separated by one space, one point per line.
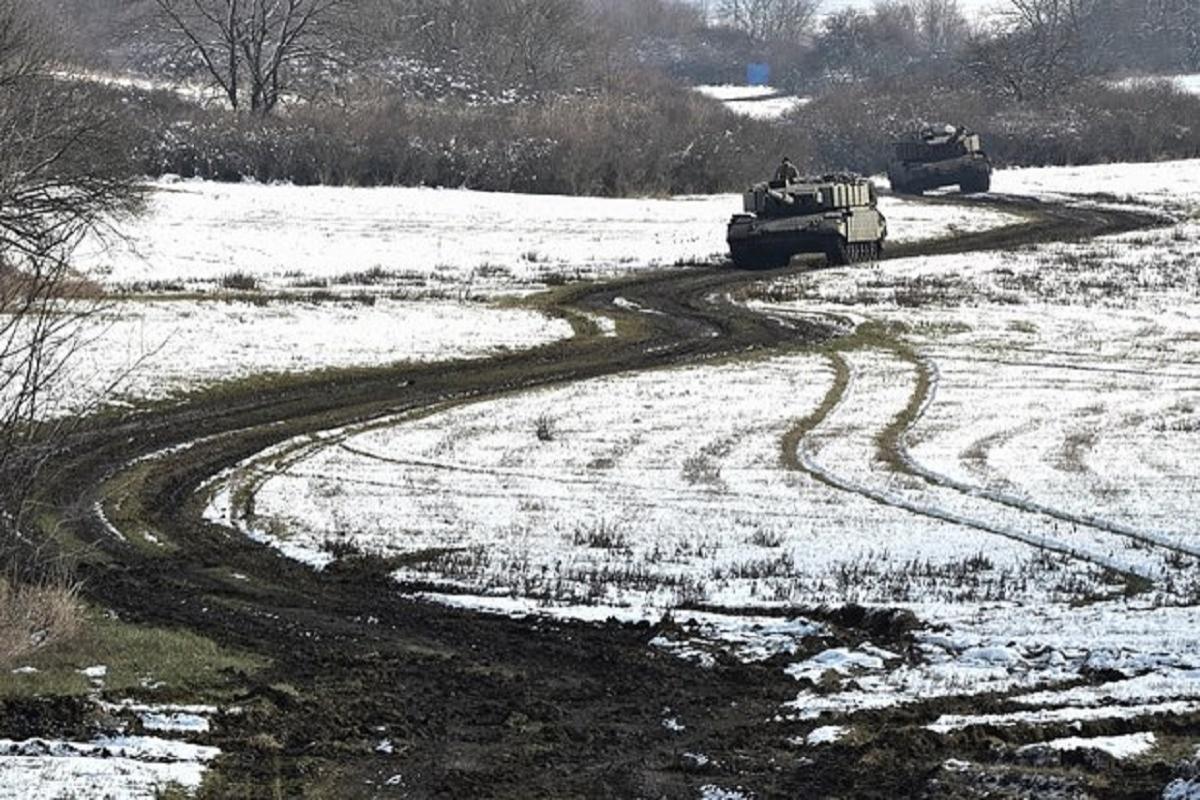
832 214
940 155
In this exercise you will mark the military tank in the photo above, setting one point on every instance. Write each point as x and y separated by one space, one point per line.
831 214
940 155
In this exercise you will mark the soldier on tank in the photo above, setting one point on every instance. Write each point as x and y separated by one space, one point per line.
787 172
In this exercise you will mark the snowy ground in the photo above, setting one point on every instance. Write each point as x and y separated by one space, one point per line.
429 242
1185 83
233 280
198 93
1170 184
757 102
151 349
127 767
117 763
1008 448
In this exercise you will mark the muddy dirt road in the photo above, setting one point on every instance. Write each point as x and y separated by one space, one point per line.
473 706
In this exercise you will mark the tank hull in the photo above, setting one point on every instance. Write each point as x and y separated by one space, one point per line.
843 237
971 173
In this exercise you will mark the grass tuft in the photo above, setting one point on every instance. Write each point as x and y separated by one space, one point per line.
34 616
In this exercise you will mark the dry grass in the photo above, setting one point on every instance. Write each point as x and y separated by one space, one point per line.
35 615
17 287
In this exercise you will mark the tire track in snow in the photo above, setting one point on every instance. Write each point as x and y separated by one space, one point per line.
1108 537
797 455
1146 537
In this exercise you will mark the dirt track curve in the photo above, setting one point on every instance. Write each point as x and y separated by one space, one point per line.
475 706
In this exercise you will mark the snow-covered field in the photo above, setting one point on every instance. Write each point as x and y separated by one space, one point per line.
757 102
340 277
429 242
1008 448
1185 83
150 349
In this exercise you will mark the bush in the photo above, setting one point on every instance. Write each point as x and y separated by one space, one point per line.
650 137
239 281
640 137
852 128
33 615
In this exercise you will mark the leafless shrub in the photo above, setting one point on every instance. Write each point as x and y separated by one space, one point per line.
63 172
700 468
783 21
543 428
239 281
309 282
371 277
766 537
249 49
600 535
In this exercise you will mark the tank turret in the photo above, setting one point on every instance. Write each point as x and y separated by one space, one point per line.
832 214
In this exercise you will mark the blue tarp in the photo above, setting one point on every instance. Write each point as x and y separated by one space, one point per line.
758 74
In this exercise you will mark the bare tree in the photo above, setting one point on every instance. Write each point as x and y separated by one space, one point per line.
63 172
541 37
249 48
1046 47
770 20
942 28
537 45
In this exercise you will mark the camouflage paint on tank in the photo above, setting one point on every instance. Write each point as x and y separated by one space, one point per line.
832 214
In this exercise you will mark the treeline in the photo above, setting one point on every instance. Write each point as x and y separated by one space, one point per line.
1028 49
587 96
1094 123
648 138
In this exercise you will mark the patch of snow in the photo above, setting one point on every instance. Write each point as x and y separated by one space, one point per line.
200 93
605 324
131 767
175 722
1182 789
826 734
629 305
730 91
1172 684
1169 184
714 792
1119 747
954 722
756 102
1189 83
839 660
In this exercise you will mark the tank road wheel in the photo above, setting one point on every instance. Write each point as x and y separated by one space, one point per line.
866 251
840 252
748 256
977 182
837 252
